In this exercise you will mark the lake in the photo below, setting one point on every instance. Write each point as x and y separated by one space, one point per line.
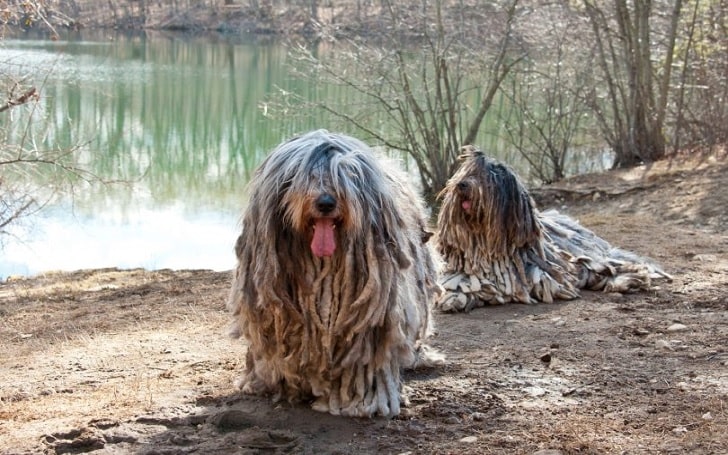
179 121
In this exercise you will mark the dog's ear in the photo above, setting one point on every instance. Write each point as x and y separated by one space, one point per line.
239 246
518 210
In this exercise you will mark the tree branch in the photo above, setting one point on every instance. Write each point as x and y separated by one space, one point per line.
22 99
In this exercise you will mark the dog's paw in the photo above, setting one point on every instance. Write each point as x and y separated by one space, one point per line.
451 302
321 404
427 357
250 385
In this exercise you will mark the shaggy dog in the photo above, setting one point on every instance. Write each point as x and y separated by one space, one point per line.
334 283
499 248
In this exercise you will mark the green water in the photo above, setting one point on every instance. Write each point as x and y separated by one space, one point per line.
187 114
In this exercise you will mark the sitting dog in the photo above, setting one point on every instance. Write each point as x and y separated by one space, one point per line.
498 247
335 282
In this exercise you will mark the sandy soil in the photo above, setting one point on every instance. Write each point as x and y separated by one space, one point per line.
134 361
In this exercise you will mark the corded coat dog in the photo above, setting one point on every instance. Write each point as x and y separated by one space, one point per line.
498 247
335 282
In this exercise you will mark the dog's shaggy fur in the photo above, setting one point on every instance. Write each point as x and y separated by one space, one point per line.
498 247
334 283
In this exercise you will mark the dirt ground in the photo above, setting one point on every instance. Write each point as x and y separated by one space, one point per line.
133 361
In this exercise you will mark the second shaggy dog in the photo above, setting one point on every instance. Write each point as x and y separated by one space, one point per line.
498 247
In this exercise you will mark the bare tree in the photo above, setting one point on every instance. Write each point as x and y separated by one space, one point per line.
30 177
434 83
701 111
33 178
545 118
637 83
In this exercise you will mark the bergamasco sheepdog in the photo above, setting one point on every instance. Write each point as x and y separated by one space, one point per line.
497 247
335 279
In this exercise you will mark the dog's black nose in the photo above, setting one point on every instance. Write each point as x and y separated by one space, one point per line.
462 186
325 203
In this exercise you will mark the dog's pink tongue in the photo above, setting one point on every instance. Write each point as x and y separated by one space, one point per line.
467 204
323 243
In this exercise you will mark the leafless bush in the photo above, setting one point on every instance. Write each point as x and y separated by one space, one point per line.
30 176
425 88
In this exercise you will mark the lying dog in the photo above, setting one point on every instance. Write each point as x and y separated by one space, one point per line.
498 247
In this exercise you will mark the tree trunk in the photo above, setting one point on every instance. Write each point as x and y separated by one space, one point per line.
638 121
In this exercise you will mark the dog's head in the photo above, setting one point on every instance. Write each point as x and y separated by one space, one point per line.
486 197
323 188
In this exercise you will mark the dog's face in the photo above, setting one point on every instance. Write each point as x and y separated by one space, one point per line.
469 181
473 191
325 192
318 207
486 197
